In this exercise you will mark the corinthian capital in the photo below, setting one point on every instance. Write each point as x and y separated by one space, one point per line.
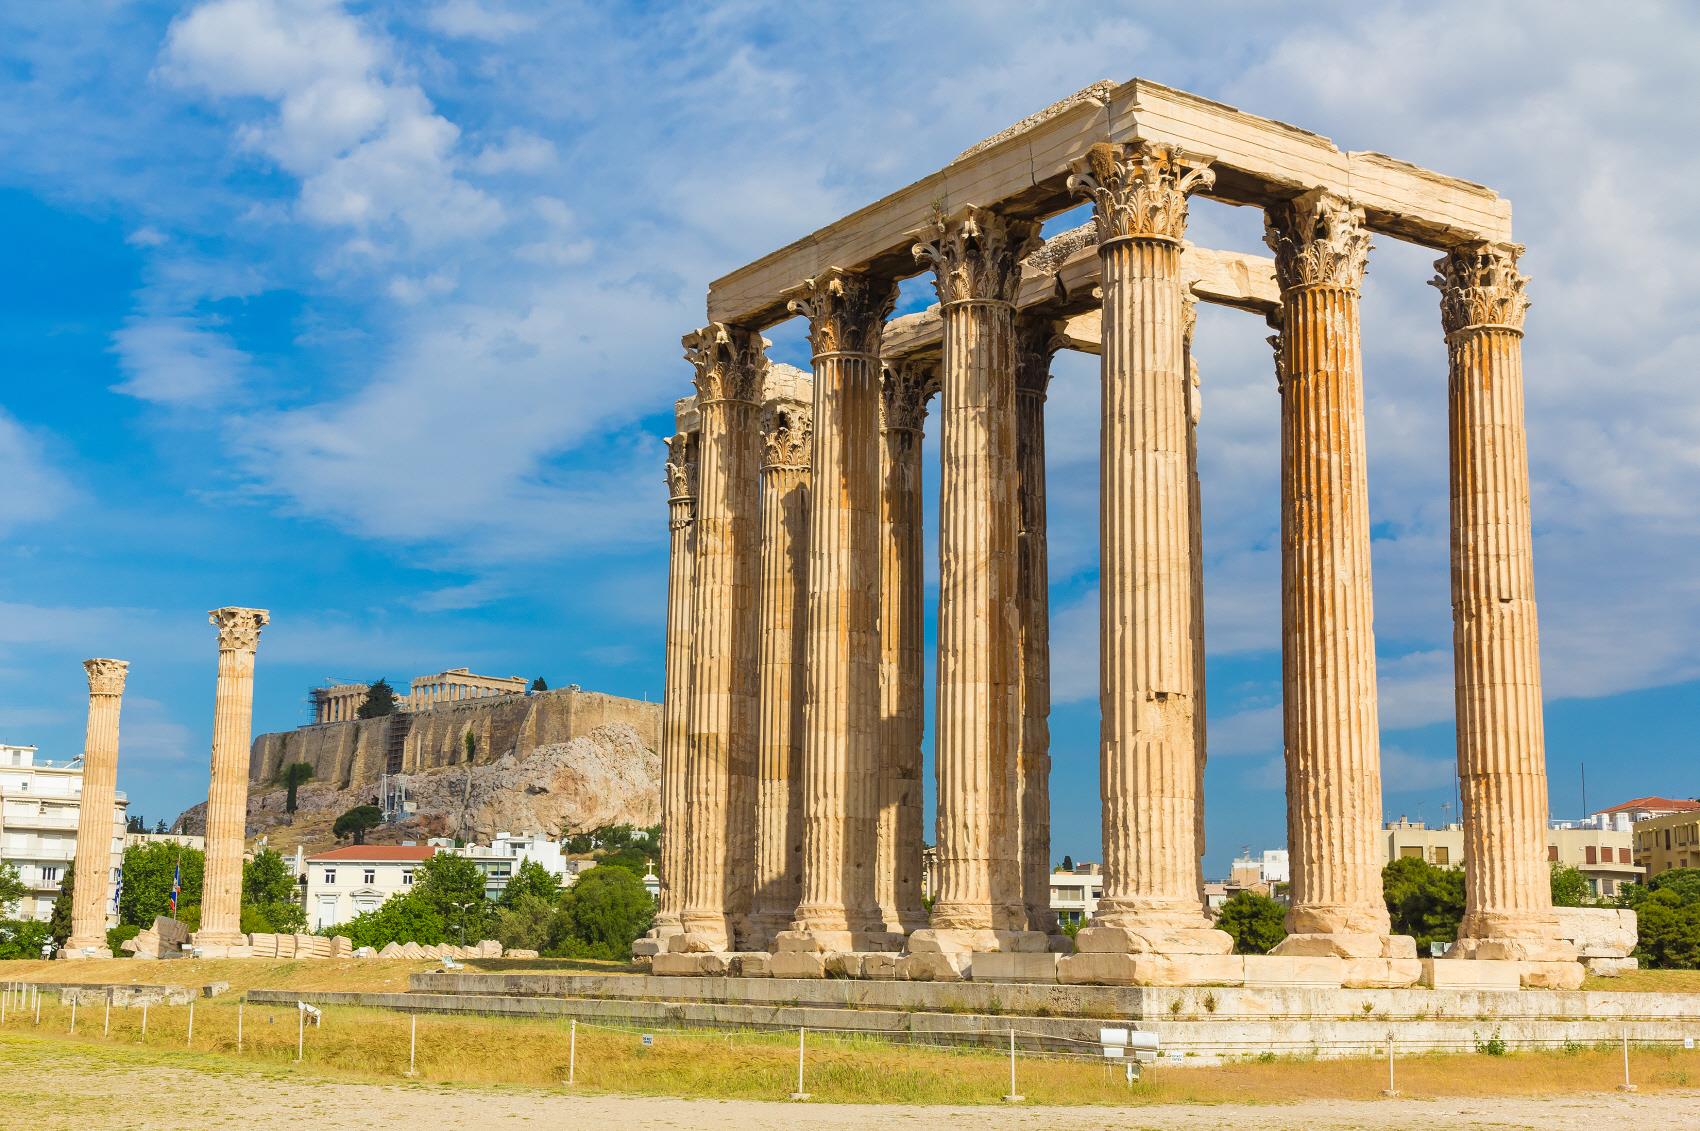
846 310
681 465
905 389
239 628
1138 190
1481 286
730 362
1037 340
787 435
1318 239
976 255
106 677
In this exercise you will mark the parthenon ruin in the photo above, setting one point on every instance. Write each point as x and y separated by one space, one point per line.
792 743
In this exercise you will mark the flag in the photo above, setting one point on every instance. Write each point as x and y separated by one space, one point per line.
176 886
117 892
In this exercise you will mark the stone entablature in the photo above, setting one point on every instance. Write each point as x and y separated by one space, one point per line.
1122 287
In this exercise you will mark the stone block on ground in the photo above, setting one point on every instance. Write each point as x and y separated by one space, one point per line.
520 953
412 949
489 948
1382 973
928 966
1006 966
1470 974
1598 932
648 947
676 965
342 946
390 950
1610 967
265 945
753 964
285 946
1294 970
171 934
1551 975
881 966
797 964
1111 968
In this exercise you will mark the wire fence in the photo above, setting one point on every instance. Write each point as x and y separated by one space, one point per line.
394 1042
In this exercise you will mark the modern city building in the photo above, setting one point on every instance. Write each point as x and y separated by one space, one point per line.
1602 851
501 858
1671 840
40 804
1627 815
1075 894
346 882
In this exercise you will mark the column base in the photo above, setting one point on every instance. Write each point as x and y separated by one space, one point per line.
1514 949
701 934
1346 944
819 940
1153 940
87 942
72 952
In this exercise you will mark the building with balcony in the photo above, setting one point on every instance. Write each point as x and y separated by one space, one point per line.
40 805
1671 840
1601 850
1075 893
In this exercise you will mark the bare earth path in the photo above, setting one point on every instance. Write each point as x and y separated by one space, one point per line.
87 1090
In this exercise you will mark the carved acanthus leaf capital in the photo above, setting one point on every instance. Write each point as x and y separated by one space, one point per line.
681 465
1139 190
846 310
731 362
1481 286
976 255
106 677
1037 340
1319 239
788 435
905 389
239 628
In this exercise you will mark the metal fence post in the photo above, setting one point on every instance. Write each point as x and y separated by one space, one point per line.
572 1051
1626 1086
189 1037
1392 1089
799 1094
144 1036
1012 1098
239 1006
73 1014
106 1026
300 1033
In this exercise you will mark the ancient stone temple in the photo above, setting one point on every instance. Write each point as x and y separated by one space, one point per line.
792 757
227 790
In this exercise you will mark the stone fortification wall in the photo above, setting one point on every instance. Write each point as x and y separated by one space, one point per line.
347 754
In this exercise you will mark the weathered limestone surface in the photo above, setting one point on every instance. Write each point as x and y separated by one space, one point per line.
676 707
94 818
1496 644
787 442
904 392
1328 639
976 258
1149 702
841 744
227 795
730 363
1195 523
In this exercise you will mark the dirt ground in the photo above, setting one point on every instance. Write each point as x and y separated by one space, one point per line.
99 1088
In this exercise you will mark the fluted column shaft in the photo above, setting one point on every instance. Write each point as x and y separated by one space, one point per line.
676 705
1496 639
1037 342
784 594
1148 693
904 394
227 795
94 817
846 313
1333 757
730 364
1195 522
976 258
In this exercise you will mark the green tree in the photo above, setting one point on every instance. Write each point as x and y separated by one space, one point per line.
379 701
1570 887
453 888
136 823
147 882
601 914
59 923
538 684
268 896
357 822
524 923
295 775
471 744
1255 921
530 879
12 889
159 827
399 919
1667 913
22 938
1424 901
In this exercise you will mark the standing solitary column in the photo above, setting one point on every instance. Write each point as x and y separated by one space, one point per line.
903 412
1195 522
1495 639
94 818
976 257
1036 343
839 909
227 795
1148 691
786 436
676 706
1328 635
731 363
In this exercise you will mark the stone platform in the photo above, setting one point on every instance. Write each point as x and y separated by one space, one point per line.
1208 1023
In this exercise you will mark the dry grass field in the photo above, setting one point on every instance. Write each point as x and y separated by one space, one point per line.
353 974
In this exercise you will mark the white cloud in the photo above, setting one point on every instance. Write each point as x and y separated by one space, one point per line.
34 490
521 151
180 362
476 19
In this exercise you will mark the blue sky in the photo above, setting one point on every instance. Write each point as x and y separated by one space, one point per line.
368 313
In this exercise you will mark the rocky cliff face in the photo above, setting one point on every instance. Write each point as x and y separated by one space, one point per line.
609 774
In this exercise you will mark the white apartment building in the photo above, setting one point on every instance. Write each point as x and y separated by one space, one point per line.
1075 895
501 858
346 882
40 804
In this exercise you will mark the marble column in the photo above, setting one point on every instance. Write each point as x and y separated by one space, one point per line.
227 795
839 908
1036 342
731 364
1495 638
94 817
904 391
1333 752
1148 760
1195 522
976 257
676 695
786 444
